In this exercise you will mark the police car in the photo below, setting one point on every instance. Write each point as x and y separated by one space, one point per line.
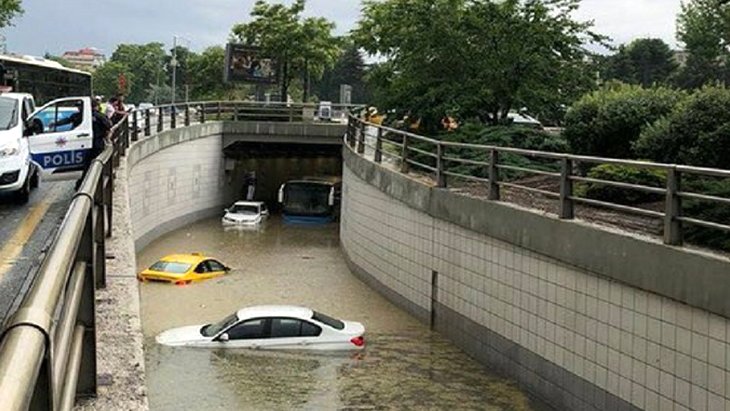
53 141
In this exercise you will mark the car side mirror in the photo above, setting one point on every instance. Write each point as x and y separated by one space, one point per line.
225 210
227 269
224 337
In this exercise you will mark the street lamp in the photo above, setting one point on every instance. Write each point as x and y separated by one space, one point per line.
173 63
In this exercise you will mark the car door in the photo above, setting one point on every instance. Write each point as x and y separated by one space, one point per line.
60 135
293 333
253 333
216 268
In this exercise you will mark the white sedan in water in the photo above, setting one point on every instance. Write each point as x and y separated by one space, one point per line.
271 327
245 213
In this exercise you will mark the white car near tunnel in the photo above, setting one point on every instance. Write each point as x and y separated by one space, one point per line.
271 327
245 213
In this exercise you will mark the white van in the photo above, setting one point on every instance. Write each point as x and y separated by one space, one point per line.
54 140
18 174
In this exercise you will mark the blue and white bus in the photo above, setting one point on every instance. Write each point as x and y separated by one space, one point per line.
311 200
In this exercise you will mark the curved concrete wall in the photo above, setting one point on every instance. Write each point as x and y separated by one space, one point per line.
577 330
175 178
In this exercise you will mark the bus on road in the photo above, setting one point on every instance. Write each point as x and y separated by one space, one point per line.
312 200
44 79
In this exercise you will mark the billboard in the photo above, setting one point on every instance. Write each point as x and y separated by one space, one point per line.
246 64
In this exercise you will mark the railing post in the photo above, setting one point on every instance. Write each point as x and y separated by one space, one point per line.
147 123
440 176
567 206
160 120
108 197
99 233
86 385
173 117
494 194
379 146
220 111
135 125
202 113
350 127
672 224
187 115
235 112
125 134
404 166
361 139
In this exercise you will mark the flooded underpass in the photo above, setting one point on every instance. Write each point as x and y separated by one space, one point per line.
404 366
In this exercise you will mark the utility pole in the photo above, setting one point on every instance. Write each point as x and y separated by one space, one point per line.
174 66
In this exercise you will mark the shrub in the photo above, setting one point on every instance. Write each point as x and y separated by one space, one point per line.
503 136
697 132
622 174
607 122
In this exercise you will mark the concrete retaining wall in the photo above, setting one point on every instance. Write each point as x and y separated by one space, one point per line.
176 178
584 318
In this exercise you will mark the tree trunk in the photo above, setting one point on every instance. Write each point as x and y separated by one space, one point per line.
285 82
306 81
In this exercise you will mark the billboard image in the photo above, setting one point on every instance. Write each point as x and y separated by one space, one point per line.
246 64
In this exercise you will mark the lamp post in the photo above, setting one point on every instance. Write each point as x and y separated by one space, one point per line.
173 63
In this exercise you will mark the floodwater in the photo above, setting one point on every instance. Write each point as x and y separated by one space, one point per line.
405 366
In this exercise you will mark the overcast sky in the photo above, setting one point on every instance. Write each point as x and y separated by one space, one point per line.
58 25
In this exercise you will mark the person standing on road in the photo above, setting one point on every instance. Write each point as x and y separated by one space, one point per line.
101 126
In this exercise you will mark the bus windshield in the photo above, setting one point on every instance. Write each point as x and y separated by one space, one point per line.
8 113
307 199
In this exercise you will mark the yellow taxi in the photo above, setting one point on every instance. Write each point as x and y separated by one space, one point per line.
181 269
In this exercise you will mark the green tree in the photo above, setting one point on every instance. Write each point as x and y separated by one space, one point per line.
302 47
106 79
206 74
475 58
9 9
643 61
703 26
146 63
349 69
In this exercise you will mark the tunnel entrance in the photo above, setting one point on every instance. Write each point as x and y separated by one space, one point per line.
267 166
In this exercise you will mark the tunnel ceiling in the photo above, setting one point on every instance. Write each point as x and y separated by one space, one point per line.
243 150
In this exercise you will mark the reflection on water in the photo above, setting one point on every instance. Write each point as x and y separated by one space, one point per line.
405 366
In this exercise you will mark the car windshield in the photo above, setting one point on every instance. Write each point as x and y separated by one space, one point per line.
170 267
8 113
326 319
244 209
212 330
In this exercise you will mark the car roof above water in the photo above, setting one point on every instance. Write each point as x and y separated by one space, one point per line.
289 311
249 203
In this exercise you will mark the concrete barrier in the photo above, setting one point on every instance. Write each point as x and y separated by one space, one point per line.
585 318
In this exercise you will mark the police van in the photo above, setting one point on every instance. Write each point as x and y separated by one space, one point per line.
52 141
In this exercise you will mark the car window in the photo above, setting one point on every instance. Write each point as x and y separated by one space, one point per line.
202 268
326 319
290 327
310 330
215 266
8 113
61 117
211 330
248 330
170 267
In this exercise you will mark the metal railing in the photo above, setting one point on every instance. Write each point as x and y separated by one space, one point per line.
48 347
170 116
443 160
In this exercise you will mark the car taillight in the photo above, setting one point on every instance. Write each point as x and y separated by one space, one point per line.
358 341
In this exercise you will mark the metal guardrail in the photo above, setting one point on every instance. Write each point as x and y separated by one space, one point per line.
414 151
171 116
48 348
